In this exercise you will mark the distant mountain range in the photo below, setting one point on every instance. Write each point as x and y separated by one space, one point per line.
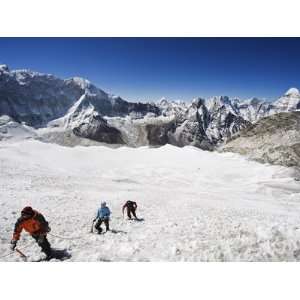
69 111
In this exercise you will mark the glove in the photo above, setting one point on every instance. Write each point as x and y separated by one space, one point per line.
13 245
41 239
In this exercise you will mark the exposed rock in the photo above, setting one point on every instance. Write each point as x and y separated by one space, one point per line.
97 129
158 134
274 139
190 133
69 139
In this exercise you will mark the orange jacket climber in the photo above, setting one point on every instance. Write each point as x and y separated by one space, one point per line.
34 223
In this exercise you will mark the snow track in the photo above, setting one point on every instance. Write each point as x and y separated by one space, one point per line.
196 205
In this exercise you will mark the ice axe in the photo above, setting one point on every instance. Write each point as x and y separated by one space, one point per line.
21 254
92 228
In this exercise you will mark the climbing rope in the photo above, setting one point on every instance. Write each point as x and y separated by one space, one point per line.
65 238
54 235
12 252
69 238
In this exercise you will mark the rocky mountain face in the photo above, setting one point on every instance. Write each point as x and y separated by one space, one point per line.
42 100
37 99
274 139
71 109
202 124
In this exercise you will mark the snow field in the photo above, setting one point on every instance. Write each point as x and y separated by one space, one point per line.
196 205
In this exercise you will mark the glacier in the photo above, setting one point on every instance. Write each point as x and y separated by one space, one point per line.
196 205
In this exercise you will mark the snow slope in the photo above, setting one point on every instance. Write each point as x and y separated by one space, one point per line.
196 205
11 130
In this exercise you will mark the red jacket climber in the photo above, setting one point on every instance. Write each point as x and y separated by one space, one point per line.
131 207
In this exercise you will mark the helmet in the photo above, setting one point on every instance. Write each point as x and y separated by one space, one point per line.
27 211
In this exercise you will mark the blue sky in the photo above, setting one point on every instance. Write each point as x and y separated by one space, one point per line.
175 68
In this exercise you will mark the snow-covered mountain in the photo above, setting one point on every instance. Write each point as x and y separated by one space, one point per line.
289 102
77 107
42 100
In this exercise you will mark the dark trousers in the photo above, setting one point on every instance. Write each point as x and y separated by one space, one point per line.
42 241
131 211
99 222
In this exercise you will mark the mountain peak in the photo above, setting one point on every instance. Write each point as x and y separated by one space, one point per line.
163 101
4 68
198 101
83 83
292 92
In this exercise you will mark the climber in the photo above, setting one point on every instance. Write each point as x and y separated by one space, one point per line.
102 216
131 207
35 224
